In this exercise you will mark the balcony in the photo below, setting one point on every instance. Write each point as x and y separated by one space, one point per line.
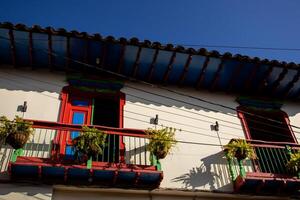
268 173
49 158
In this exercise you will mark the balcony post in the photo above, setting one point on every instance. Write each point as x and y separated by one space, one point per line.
231 171
242 169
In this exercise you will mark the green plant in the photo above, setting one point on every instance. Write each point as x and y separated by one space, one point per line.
239 149
17 132
294 162
91 141
161 141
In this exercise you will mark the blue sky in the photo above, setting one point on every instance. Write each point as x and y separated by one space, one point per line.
208 22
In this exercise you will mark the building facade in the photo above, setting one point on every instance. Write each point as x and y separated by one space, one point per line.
61 80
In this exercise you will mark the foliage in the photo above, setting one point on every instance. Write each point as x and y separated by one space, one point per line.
161 141
294 161
91 141
16 132
239 149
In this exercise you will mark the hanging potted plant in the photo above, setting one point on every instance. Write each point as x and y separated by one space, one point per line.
18 131
294 163
239 149
90 143
161 141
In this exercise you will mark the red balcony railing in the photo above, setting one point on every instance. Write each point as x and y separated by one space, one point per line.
269 172
49 157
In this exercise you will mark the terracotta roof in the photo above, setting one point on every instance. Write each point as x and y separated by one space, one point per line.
150 61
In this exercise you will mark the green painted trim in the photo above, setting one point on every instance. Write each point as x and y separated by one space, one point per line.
242 169
155 162
16 153
231 171
88 89
89 163
79 77
93 110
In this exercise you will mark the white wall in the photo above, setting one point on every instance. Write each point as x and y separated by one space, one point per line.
200 166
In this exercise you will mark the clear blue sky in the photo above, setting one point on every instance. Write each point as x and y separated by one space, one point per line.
260 23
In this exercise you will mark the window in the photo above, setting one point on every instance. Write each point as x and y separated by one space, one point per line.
92 108
266 124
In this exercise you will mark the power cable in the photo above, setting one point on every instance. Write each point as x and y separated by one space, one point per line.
133 79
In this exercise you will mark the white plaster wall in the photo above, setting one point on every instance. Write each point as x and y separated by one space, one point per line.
293 111
199 166
41 90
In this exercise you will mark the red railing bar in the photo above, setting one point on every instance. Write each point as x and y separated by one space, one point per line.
273 143
73 127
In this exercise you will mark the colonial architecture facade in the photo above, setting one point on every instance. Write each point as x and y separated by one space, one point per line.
59 81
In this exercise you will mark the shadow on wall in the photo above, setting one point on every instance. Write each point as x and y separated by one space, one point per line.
17 191
29 80
213 172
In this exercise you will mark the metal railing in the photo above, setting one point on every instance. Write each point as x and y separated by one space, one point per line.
271 161
123 145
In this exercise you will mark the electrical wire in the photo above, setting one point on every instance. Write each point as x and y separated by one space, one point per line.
129 78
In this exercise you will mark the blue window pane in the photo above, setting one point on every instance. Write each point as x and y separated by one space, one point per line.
80 103
74 134
78 118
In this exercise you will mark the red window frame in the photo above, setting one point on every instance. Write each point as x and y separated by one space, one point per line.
69 92
242 109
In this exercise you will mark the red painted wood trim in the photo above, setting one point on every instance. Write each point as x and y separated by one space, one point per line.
137 62
30 49
251 76
217 75
263 81
201 75
121 61
121 124
50 52
234 76
74 127
169 68
185 70
12 47
152 66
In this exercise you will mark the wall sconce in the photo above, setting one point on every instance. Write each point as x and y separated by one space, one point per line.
22 108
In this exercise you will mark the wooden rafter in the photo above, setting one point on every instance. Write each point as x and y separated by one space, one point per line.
86 52
169 68
103 54
201 75
68 53
121 61
31 50
151 69
137 62
234 76
12 47
291 84
185 70
217 75
50 52
279 79
251 76
264 79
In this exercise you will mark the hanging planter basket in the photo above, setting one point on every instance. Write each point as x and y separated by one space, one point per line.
17 139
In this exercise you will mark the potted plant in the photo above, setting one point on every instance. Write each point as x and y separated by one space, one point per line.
18 131
90 142
294 163
161 141
240 149
3 129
